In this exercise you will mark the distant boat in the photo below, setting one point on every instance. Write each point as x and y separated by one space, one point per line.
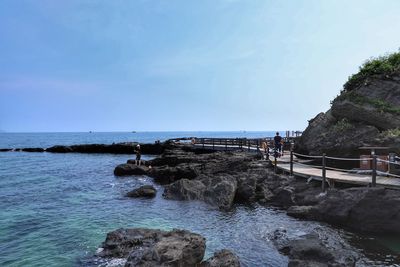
133 131
90 132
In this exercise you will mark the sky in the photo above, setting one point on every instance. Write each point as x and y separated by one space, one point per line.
178 65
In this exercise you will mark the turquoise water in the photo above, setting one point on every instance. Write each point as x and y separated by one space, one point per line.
55 210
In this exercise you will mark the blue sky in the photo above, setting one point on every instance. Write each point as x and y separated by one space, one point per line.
182 65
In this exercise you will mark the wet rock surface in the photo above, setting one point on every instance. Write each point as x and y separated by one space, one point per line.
223 179
130 169
148 247
314 249
147 191
222 258
363 209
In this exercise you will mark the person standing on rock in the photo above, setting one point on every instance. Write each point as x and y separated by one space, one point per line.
278 144
138 155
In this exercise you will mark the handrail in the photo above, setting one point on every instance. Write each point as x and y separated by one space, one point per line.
307 156
349 159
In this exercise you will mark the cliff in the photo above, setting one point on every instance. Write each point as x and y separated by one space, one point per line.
365 113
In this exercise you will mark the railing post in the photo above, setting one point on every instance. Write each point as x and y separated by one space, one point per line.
275 164
323 172
213 143
291 161
258 145
248 144
226 144
202 140
374 161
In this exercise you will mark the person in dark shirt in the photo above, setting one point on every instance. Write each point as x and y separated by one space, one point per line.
278 143
138 155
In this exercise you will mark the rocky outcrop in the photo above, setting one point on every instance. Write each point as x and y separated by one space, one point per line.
313 250
362 115
33 149
222 258
147 247
168 174
361 209
147 191
218 190
130 169
119 148
336 138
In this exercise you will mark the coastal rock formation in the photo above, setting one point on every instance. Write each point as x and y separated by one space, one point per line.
218 190
218 178
130 169
144 191
366 113
313 250
119 148
33 149
147 247
362 209
222 258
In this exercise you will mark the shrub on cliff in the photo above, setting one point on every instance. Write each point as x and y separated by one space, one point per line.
386 65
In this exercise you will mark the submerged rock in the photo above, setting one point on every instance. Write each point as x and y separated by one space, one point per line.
130 169
144 191
314 250
222 258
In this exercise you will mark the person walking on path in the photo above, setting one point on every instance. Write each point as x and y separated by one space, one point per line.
278 144
138 155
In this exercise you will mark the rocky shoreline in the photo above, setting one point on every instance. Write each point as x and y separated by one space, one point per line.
224 179
153 247
115 148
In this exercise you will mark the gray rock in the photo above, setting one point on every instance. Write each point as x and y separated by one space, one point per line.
130 169
185 189
362 209
147 247
218 190
313 250
144 191
222 258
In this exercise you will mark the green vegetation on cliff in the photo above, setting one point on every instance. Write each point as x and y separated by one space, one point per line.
386 65
379 104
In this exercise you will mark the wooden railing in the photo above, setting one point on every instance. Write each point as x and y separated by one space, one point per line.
240 143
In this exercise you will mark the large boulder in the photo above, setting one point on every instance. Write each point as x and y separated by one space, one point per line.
222 258
167 174
144 191
314 250
147 247
216 190
185 189
130 169
375 210
220 190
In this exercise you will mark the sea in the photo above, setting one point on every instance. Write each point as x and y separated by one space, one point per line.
56 209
